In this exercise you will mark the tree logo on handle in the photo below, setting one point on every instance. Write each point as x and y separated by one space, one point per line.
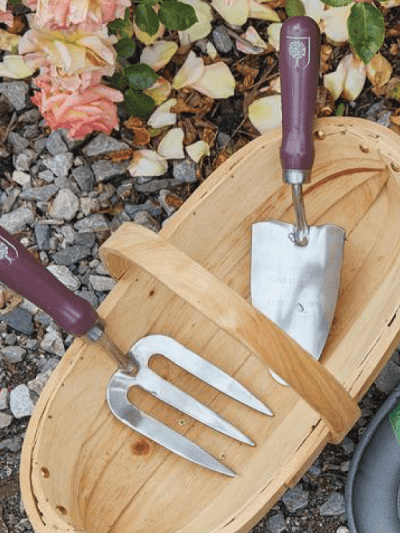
5 249
299 50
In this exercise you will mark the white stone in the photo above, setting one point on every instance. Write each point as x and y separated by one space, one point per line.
22 178
21 403
63 274
65 205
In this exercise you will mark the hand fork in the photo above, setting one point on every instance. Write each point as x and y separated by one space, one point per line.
27 276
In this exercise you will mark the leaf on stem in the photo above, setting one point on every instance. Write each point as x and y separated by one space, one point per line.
140 76
176 15
366 28
147 19
138 104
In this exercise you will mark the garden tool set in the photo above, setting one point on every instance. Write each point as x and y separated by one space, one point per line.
294 280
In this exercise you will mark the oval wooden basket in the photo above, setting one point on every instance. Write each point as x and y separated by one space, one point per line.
82 471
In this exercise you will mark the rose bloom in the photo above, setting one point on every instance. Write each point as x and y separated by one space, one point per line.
80 113
50 80
71 53
5 16
80 15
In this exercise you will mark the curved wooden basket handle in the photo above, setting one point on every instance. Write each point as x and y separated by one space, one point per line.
221 304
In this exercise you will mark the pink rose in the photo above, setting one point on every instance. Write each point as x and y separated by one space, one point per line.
80 113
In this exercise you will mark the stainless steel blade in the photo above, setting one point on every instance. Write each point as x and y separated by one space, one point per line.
168 393
297 286
117 398
196 365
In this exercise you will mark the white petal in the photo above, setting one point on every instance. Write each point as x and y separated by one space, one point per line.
202 27
274 34
235 12
217 81
191 71
313 9
334 81
9 41
197 150
14 66
253 37
259 11
157 55
162 116
160 90
334 23
171 146
147 163
379 70
355 78
211 50
266 113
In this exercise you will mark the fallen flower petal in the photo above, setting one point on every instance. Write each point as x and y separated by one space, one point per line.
157 55
274 34
334 23
197 150
348 80
254 39
313 9
162 116
260 11
217 81
235 12
147 163
191 71
211 50
9 41
159 91
379 70
202 27
14 66
171 146
266 113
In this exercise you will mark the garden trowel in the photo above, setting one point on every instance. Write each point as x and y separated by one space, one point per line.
295 270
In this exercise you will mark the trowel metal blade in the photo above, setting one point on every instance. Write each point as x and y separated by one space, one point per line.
297 286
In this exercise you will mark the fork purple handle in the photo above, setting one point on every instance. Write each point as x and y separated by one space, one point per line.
20 270
299 55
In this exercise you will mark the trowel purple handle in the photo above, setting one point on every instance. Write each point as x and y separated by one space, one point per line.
299 60
24 274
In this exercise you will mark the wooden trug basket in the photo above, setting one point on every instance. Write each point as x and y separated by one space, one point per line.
82 471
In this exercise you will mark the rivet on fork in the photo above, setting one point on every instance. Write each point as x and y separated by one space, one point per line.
222 455
364 148
394 166
320 135
182 422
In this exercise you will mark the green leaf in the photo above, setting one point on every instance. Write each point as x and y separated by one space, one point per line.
140 76
337 3
122 28
119 81
125 47
395 92
341 108
366 28
147 19
294 8
176 15
138 104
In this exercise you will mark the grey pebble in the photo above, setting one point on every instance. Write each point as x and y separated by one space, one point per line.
155 185
184 170
95 222
55 144
90 296
41 194
65 205
43 319
60 164
85 238
222 41
295 499
18 142
145 219
105 169
11 445
39 145
3 399
63 274
21 403
71 254
22 178
276 524
9 199
17 219
24 160
388 378
334 506
5 420
13 354
53 343
16 93
37 385
42 234
68 233
20 320
103 144
347 446
102 283
84 177
46 175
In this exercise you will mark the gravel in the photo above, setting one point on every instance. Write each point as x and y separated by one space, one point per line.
63 199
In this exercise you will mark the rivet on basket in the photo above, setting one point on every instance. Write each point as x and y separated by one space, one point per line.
44 472
364 148
62 510
320 135
394 166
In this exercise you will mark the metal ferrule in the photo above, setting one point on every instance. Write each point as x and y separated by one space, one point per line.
295 176
301 233
96 331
